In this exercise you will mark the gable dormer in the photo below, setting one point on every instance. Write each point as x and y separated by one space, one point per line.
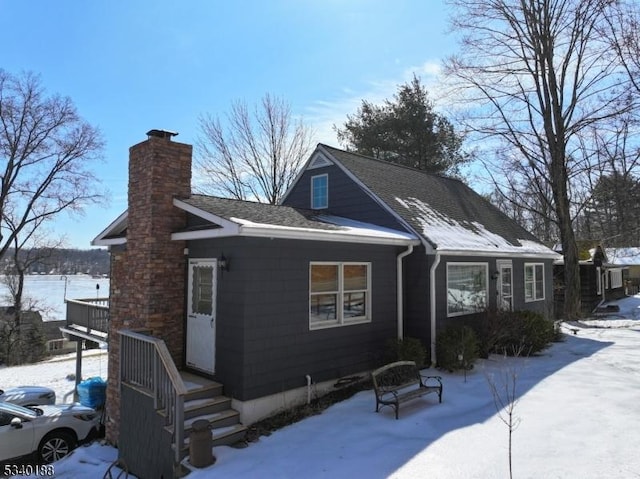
326 186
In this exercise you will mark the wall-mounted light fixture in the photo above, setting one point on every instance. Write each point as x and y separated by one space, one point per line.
223 263
495 275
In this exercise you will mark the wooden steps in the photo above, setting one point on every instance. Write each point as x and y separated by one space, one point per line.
205 400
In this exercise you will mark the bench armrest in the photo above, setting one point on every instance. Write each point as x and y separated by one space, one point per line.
426 379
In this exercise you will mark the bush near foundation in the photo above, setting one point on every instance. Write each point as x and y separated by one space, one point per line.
407 349
520 333
457 348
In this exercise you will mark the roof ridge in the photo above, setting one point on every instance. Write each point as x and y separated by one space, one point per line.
397 165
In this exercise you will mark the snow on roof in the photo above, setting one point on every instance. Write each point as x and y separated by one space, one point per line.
345 227
447 234
622 256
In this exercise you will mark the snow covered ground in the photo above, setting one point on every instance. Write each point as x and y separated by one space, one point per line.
578 412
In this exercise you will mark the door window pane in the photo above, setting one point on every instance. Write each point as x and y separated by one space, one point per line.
202 292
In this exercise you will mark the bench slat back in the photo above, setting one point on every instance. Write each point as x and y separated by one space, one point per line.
395 376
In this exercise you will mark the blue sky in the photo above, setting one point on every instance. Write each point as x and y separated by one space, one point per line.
136 65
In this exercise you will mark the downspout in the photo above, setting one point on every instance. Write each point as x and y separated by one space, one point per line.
400 292
432 286
600 274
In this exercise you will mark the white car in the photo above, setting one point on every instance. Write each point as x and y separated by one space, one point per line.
28 395
51 432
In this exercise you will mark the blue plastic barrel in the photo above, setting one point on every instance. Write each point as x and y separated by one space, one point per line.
92 392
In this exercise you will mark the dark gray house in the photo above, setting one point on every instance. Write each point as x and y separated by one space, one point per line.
274 302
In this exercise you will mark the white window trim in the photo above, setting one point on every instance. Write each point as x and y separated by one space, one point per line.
506 263
340 320
313 206
544 286
486 282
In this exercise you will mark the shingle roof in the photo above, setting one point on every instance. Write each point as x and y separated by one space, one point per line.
445 211
259 219
275 215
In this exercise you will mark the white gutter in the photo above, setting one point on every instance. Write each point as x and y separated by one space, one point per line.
432 285
599 272
399 293
501 254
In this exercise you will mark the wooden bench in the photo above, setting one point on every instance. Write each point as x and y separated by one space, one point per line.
401 381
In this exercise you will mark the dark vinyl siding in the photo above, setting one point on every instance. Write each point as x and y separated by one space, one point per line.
346 198
416 301
264 344
417 292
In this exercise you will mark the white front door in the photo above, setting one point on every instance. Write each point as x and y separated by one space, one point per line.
201 314
505 285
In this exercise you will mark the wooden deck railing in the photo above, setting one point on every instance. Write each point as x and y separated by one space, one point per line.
145 363
89 314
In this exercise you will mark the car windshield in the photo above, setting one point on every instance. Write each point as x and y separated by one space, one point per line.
15 409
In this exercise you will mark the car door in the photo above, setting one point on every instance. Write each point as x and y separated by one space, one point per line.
15 441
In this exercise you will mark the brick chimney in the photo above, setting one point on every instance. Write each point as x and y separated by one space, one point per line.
148 273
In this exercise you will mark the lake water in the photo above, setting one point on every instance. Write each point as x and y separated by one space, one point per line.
50 291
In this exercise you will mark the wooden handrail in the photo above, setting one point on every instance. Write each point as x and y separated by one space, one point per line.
165 357
90 314
162 366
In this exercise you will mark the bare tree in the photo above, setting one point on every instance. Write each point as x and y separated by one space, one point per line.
504 390
255 155
612 212
534 75
623 32
46 150
24 342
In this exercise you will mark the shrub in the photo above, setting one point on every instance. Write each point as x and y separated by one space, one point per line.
407 349
494 331
522 333
457 348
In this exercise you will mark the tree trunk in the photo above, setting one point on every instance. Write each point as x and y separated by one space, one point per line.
572 299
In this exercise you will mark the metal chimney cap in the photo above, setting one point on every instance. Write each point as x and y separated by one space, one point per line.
166 134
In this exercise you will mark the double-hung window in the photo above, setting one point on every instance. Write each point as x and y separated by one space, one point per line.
533 281
467 288
339 294
319 192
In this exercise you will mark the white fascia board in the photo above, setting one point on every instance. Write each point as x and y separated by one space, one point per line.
206 233
109 241
115 226
283 232
334 236
299 175
501 254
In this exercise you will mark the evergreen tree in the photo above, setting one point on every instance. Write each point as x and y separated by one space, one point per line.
405 130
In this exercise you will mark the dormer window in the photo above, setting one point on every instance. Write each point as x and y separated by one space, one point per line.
319 192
